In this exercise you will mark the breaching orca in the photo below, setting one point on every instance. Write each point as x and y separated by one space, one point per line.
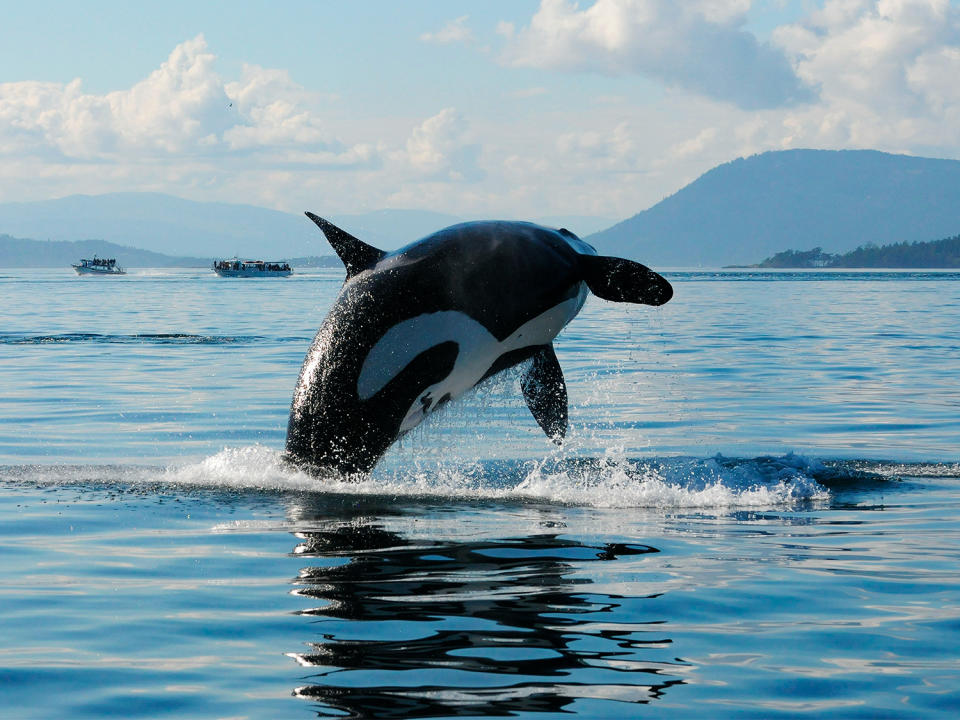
415 328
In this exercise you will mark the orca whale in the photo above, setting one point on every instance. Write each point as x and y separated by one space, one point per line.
416 328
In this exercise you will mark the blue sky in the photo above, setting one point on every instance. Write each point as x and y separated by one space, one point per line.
519 108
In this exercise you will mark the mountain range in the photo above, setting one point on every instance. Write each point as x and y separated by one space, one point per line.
735 214
20 252
165 224
173 226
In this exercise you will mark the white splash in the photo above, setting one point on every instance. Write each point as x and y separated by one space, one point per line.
610 482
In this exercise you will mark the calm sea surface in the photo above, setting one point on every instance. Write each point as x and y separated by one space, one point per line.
757 513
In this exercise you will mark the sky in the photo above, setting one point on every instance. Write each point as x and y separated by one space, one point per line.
492 108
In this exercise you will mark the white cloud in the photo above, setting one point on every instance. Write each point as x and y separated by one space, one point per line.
934 76
455 31
183 109
697 45
881 74
694 146
600 149
885 70
442 147
275 117
181 105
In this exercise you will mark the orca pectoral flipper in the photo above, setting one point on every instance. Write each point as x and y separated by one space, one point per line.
356 255
546 393
622 280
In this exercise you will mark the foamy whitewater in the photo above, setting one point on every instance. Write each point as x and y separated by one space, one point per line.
610 482
754 513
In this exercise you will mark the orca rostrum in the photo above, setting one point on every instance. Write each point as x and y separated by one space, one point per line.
418 327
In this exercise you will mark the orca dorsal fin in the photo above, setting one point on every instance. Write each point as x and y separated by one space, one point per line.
622 280
356 255
545 391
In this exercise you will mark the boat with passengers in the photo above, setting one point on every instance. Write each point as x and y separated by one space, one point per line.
251 268
98 266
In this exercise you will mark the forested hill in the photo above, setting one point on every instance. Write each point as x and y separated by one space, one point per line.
936 254
754 207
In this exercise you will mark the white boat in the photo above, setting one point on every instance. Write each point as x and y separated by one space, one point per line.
251 268
98 266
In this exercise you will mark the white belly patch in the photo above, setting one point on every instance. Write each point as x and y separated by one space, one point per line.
478 349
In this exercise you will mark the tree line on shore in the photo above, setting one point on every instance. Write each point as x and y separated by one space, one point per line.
933 254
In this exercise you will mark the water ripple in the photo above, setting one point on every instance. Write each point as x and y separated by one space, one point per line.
494 623
137 338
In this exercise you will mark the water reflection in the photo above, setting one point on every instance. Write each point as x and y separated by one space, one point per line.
429 628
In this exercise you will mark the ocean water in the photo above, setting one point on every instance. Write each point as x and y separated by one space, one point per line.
756 513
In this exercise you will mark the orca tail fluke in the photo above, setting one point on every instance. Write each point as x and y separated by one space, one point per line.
356 255
545 391
621 280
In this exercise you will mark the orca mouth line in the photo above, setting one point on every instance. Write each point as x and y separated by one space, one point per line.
135 339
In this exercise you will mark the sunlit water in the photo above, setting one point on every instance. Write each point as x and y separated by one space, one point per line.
755 514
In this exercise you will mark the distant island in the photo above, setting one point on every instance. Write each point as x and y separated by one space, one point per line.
935 254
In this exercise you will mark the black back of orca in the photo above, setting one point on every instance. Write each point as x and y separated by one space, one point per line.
499 274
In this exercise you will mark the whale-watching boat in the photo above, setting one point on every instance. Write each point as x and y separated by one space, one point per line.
98 266
251 268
